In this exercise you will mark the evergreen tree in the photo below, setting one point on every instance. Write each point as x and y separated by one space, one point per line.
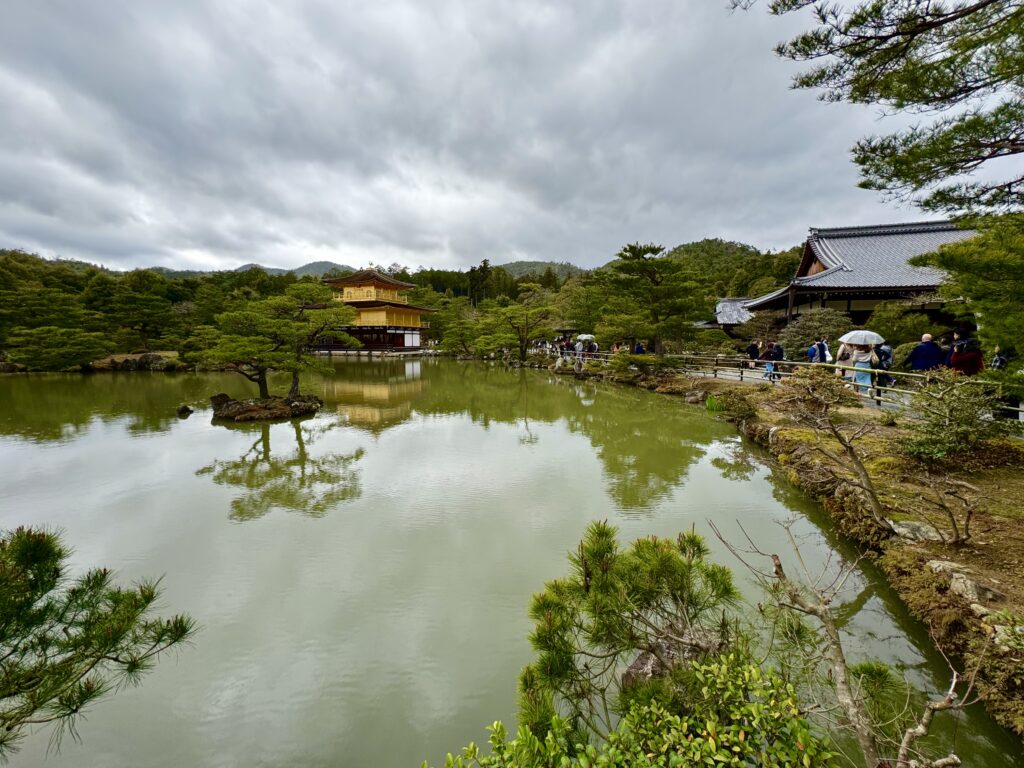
528 319
811 326
663 290
957 62
658 597
66 643
275 334
988 271
54 349
140 303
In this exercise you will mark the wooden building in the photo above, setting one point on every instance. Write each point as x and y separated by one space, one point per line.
854 268
385 320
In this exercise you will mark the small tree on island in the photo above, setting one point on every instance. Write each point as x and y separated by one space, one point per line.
65 644
275 334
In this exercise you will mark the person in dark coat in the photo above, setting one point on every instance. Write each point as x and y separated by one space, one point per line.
967 358
823 354
773 354
926 355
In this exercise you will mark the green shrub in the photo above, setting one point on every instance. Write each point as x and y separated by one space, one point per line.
737 405
955 417
899 322
901 353
739 715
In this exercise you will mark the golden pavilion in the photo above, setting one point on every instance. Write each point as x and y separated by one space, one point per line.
385 320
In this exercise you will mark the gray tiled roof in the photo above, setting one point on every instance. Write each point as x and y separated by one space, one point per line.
731 311
876 257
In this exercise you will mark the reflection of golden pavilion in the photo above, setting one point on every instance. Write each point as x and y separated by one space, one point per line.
376 391
385 320
375 402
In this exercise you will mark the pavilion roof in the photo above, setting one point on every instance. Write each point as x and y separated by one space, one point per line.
364 276
874 258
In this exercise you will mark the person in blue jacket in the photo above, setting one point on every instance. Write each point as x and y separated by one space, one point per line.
926 355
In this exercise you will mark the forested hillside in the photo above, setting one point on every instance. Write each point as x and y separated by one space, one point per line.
56 314
562 269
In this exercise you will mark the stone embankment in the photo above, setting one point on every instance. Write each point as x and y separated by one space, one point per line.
970 596
137 361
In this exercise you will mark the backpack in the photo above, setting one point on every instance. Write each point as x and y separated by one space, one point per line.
884 358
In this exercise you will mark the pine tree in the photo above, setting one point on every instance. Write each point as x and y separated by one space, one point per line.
66 643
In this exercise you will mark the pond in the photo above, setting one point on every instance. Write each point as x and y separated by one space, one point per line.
362 577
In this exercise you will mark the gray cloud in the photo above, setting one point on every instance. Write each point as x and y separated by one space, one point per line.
212 134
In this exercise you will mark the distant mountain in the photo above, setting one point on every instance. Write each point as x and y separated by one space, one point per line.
315 268
268 270
319 268
177 274
521 268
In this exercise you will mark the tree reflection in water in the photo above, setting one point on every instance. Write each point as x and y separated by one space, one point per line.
737 464
296 482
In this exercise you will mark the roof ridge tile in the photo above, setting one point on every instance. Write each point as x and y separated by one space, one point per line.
908 228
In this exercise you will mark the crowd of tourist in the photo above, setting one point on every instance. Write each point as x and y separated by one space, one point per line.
957 350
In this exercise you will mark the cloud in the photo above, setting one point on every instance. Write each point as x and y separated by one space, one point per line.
202 134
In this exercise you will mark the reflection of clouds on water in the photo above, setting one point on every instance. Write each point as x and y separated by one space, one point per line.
297 481
644 452
320 634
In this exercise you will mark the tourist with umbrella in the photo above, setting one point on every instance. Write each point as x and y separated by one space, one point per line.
859 344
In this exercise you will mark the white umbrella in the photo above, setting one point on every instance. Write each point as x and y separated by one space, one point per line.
862 337
585 336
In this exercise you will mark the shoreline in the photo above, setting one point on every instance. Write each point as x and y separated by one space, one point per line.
944 598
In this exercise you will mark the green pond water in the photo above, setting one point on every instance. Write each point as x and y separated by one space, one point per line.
362 577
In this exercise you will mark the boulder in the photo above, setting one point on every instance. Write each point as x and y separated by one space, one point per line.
219 399
183 411
6 367
151 361
980 610
915 531
268 409
945 566
973 591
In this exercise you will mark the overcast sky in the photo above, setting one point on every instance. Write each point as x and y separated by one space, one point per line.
433 132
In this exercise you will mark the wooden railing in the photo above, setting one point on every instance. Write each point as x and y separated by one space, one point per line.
743 369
